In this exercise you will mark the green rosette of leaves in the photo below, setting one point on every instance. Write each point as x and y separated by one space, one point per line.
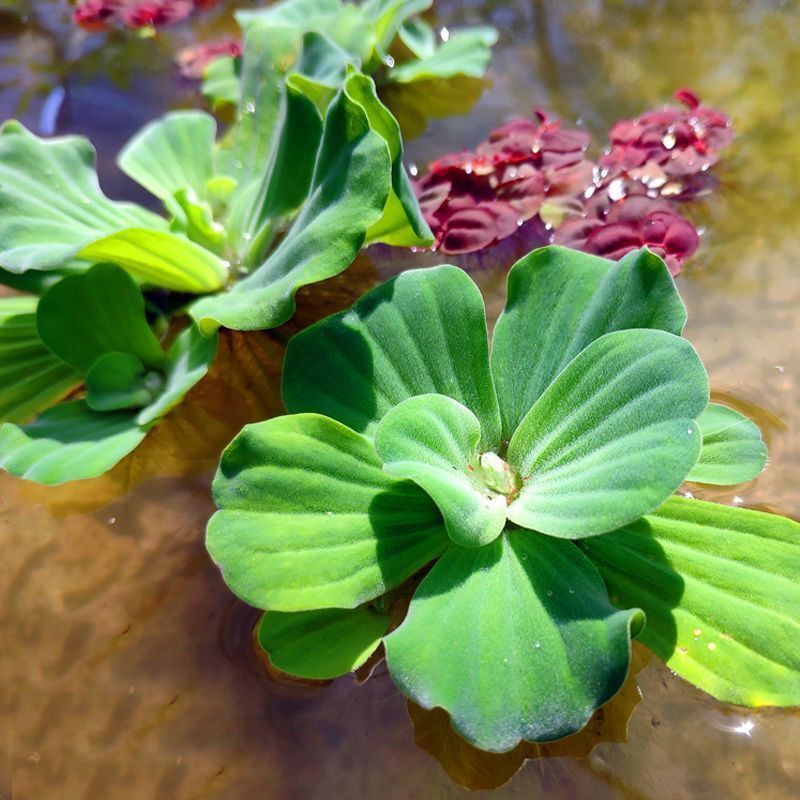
529 487
311 172
389 39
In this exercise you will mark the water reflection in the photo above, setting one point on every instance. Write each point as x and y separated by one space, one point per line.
129 671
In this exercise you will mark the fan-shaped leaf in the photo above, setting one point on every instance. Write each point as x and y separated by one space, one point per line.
309 520
733 450
515 640
559 301
612 437
423 332
323 644
101 311
173 153
51 205
719 587
69 442
433 441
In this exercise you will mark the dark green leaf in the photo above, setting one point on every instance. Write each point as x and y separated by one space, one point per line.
101 311
612 437
423 332
719 587
119 381
559 301
309 520
515 640
323 644
188 360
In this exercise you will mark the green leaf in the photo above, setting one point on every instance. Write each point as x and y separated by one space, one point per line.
161 259
51 205
612 437
188 360
308 519
31 377
68 443
286 181
423 332
733 450
433 441
321 69
120 381
402 223
419 37
290 12
174 153
387 17
100 311
559 301
221 82
269 53
348 193
515 640
323 644
467 52
719 587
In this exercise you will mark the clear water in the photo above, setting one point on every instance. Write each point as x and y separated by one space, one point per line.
127 668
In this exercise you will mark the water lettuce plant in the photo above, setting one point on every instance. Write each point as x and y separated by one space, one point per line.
524 494
385 38
310 172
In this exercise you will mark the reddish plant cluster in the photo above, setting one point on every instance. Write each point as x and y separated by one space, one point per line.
99 15
192 61
536 172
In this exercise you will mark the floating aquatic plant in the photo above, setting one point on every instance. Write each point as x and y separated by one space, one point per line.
310 172
530 486
385 38
99 15
535 173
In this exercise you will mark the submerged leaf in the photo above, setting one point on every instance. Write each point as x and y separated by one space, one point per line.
719 588
733 450
611 437
51 205
309 519
323 644
515 640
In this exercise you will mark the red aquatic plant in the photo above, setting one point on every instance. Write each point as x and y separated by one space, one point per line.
537 171
634 221
474 199
99 15
192 61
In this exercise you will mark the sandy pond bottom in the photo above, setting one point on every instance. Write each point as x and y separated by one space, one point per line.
127 668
